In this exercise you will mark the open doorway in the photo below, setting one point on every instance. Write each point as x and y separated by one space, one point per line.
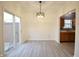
12 30
67 31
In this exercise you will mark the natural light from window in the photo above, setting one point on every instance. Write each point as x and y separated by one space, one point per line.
8 18
17 19
67 23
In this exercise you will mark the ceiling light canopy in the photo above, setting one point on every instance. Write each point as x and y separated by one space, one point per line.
40 14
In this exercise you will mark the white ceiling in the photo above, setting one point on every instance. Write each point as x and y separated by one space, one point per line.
35 3
46 5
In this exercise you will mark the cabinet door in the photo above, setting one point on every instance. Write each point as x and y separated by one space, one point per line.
61 22
71 36
64 36
67 36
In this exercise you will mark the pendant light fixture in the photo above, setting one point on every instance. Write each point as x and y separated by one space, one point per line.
40 14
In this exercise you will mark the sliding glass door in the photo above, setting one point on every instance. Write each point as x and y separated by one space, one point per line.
8 31
17 30
11 31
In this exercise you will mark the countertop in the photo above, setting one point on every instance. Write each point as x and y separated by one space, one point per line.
67 30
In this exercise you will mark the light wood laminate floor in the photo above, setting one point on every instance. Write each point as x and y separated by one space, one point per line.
69 46
43 48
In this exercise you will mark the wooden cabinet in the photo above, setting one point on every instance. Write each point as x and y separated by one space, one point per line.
67 36
61 22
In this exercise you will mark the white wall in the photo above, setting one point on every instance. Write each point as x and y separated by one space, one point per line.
1 32
77 35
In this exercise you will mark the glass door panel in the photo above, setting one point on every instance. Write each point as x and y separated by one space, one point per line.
8 31
17 30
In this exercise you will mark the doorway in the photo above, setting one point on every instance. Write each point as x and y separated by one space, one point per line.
67 31
12 30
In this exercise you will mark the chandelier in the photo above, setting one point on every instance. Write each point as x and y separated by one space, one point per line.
40 14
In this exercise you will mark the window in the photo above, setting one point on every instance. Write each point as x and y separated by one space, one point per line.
67 23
